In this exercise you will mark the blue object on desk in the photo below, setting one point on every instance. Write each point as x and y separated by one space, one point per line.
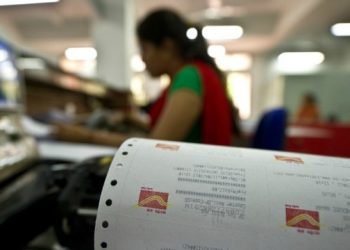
270 132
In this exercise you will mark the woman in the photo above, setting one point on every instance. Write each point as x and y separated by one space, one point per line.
194 108
308 112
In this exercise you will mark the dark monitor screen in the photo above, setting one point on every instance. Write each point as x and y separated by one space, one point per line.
10 81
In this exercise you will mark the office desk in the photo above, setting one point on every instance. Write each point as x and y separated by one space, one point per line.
322 139
72 151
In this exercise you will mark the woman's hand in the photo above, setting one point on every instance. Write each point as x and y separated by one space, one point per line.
74 133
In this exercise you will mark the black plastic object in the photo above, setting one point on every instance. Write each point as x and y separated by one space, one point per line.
78 203
28 203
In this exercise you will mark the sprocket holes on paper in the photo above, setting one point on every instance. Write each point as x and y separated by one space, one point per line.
114 182
125 153
105 224
109 202
104 245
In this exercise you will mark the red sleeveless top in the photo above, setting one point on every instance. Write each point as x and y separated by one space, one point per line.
216 118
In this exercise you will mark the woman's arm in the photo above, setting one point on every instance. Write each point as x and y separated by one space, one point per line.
178 116
180 113
76 133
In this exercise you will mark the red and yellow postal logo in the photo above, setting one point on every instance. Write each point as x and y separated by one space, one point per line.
170 147
289 159
153 199
304 219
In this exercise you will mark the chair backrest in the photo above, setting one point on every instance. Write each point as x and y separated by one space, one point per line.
270 132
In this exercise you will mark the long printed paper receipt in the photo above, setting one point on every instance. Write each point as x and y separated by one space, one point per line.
163 195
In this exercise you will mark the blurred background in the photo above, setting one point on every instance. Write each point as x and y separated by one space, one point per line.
287 66
79 55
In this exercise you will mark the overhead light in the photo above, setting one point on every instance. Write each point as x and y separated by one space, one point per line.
21 2
299 62
81 54
341 29
216 51
4 55
235 62
227 32
192 33
137 64
304 58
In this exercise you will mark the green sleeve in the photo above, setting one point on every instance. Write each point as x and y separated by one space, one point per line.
187 78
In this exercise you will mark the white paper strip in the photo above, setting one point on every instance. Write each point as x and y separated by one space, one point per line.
161 195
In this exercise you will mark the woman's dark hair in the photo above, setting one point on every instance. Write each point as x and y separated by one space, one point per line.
164 23
310 97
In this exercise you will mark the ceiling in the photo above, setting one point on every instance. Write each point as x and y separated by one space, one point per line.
268 24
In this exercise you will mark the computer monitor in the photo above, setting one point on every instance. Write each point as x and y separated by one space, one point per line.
11 87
